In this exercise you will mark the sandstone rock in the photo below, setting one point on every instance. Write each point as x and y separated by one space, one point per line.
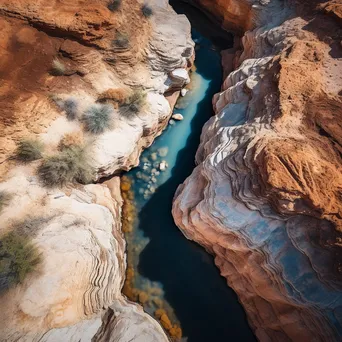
178 78
142 328
184 91
177 117
268 175
76 295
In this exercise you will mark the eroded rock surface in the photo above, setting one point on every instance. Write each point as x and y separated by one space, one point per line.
75 295
265 196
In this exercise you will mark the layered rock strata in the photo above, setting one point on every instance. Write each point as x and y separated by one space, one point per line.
75 295
265 196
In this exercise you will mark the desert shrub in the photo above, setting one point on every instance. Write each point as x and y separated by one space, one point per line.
58 68
97 118
117 95
18 257
5 198
29 150
135 102
146 10
70 106
31 225
121 40
114 5
73 139
70 165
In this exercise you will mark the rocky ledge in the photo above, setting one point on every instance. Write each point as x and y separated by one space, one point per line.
94 82
265 198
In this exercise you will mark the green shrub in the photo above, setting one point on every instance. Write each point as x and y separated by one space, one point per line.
70 165
121 40
134 103
58 68
114 5
18 258
70 106
5 198
146 10
29 150
97 118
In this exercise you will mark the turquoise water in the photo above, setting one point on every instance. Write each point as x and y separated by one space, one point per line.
177 274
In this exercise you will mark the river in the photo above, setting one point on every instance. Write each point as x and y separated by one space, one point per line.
165 270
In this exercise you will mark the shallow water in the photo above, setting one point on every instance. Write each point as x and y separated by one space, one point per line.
173 273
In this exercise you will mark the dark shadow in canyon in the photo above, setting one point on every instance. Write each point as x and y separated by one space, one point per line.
206 307
204 24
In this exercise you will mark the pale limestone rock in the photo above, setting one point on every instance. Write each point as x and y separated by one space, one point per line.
83 267
179 78
184 91
177 117
142 328
83 259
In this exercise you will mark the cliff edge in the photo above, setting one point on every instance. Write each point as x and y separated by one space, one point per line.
85 87
265 198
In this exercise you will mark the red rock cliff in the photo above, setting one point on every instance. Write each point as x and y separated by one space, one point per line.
265 198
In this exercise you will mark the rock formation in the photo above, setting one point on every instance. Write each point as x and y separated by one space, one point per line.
265 198
58 60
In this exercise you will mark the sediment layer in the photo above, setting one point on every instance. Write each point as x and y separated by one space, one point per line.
265 196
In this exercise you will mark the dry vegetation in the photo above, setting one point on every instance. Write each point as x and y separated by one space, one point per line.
70 165
18 258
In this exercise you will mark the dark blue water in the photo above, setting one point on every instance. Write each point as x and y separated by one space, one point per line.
191 288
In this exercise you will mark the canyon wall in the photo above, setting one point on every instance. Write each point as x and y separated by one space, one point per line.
265 198
59 61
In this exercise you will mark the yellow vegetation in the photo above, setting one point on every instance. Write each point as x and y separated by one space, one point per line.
174 330
128 208
150 297
143 297
117 95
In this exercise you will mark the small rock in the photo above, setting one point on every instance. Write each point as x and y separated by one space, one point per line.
184 92
154 156
172 122
178 117
162 152
163 165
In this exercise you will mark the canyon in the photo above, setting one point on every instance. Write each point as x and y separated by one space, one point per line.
264 198
60 60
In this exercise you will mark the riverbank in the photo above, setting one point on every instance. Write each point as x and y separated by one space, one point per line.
166 271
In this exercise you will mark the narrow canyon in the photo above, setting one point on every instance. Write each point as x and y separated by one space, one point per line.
170 171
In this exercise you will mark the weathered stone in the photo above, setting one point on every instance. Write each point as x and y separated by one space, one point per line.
269 167
177 117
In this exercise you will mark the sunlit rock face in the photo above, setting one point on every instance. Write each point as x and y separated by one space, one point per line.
75 294
85 38
237 15
265 196
78 233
